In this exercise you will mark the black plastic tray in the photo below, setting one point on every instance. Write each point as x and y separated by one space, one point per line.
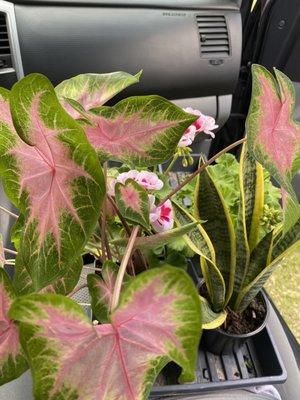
256 363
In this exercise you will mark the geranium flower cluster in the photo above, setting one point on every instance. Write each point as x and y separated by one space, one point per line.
161 217
204 124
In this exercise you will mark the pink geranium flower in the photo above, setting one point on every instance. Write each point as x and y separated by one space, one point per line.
204 123
161 218
149 180
132 174
188 137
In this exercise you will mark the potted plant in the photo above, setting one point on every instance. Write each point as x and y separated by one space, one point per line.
55 145
54 148
237 258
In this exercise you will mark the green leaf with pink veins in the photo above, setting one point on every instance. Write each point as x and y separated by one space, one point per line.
86 91
52 174
101 290
132 201
273 133
138 131
158 320
12 359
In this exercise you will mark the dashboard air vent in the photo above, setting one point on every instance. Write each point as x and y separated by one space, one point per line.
214 37
5 51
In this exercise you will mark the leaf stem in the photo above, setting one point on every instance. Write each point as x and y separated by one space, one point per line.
170 166
122 269
124 223
200 169
9 251
77 289
92 268
9 212
128 232
105 249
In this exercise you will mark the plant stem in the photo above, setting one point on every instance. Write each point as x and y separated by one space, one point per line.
9 212
92 268
77 289
122 269
124 223
102 222
170 166
9 251
103 252
200 169
128 231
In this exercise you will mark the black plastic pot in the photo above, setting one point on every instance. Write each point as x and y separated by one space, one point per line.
220 342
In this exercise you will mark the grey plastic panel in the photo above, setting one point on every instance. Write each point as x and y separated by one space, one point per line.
64 41
9 75
185 4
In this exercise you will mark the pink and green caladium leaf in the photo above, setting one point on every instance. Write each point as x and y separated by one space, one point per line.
132 201
12 360
101 290
92 90
139 131
158 320
51 173
273 135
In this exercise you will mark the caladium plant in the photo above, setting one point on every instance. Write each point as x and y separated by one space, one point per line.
157 320
273 133
236 261
56 146
51 173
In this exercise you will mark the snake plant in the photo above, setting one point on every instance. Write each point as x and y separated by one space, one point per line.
234 263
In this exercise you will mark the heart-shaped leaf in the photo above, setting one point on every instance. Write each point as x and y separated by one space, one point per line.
158 320
92 90
273 135
139 131
55 180
132 201
12 360
67 280
101 290
62 281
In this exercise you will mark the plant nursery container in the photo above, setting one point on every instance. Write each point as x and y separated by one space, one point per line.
249 360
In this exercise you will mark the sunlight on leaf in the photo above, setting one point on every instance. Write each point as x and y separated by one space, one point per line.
119 360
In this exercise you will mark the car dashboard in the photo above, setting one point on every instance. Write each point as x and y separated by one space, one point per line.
189 51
